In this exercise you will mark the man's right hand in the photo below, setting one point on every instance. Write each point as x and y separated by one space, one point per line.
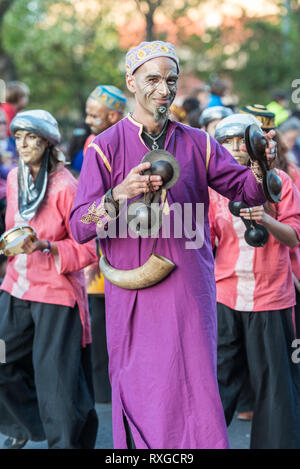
135 183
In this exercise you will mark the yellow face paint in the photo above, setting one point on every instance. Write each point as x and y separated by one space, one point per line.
233 145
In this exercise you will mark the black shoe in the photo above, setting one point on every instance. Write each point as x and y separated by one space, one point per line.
14 443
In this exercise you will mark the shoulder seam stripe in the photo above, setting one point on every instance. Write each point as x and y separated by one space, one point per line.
208 152
101 154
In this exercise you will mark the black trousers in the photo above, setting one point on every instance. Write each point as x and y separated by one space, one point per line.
261 343
46 383
102 386
246 398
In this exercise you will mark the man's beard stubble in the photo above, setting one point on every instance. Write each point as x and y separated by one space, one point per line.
160 113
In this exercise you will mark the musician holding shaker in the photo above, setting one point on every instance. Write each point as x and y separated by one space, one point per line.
45 384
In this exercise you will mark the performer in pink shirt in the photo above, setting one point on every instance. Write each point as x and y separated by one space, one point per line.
267 119
255 295
45 384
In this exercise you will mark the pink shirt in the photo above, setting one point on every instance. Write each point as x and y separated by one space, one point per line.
294 173
10 112
254 279
41 276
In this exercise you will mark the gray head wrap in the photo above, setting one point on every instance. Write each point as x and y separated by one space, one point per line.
39 122
31 192
234 126
214 113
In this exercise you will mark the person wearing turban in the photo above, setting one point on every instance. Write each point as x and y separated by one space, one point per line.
255 302
45 385
104 107
211 116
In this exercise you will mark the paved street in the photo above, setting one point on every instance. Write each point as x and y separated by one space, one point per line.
239 432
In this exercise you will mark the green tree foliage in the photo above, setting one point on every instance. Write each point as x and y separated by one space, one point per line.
271 61
60 55
7 66
262 57
63 54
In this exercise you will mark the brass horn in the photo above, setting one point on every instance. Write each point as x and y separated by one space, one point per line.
153 271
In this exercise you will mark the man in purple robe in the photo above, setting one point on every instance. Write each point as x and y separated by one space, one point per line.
162 340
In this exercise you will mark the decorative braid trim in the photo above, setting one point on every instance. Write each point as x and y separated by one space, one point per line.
256 172
96 214
101 154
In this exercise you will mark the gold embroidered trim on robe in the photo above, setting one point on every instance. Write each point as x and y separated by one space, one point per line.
208 152
95 214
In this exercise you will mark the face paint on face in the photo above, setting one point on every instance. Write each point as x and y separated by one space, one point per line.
31 147
98 121
233 145
96 116
156 86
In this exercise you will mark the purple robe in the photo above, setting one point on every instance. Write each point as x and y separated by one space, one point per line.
162 340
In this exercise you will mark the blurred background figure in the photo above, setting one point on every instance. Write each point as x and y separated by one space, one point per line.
76 145
104 107
178 113
219 89
202 94
211 116
8 160
17 96
279 105
8 152
193 118
264 115
290 131
190 104
192 108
